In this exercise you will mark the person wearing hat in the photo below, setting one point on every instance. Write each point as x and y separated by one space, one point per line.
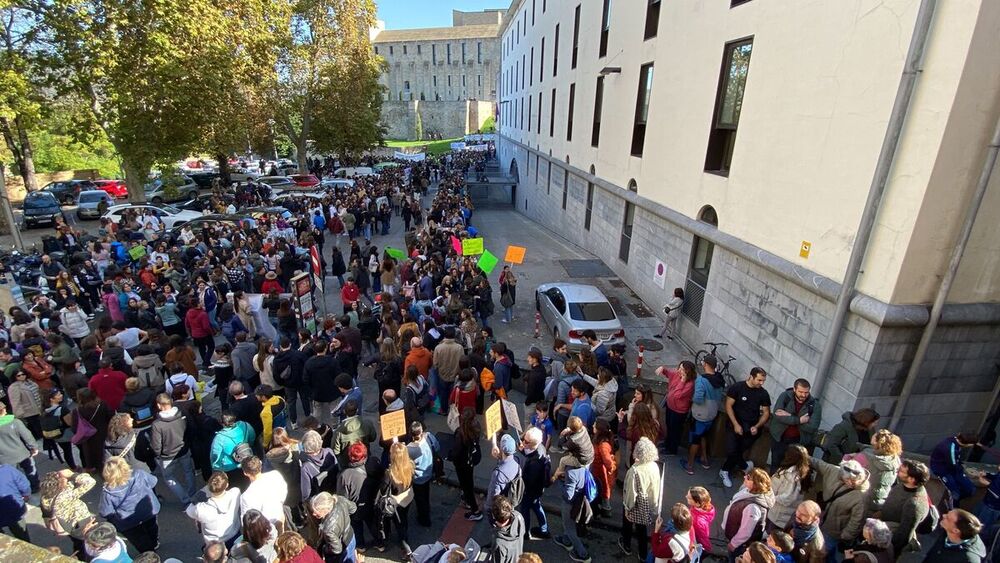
358 483
844 489
271 283
505 472
104 545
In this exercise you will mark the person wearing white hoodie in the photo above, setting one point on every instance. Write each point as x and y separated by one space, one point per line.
744 519
218 516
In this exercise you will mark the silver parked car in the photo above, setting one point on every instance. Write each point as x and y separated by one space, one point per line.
571 308
91 204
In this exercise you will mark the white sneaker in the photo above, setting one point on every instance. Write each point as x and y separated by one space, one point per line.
726 481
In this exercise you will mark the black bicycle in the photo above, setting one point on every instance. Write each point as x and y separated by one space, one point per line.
723 367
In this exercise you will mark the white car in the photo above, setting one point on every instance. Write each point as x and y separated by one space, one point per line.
571 308
276 183
336 183
169 215
292 195
350 172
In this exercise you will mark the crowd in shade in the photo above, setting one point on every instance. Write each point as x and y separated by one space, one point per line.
190 364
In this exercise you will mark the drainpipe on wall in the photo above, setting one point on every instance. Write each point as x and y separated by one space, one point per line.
949 276
887 155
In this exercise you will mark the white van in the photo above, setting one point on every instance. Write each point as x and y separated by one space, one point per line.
353 171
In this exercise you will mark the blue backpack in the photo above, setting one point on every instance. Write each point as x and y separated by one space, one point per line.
589 486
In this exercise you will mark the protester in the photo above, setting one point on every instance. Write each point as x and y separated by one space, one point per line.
641 498
129 502
218 515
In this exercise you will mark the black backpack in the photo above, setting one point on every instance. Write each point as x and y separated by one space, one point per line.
514 490
515 370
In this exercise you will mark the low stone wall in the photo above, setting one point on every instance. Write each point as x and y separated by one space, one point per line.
447 119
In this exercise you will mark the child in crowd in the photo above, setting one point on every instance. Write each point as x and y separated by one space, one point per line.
576 442
672 543
541 421
781 545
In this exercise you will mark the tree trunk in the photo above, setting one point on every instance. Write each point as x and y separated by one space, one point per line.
135 178
223 160
27 164
301 154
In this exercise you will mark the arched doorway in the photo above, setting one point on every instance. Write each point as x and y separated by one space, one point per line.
699 268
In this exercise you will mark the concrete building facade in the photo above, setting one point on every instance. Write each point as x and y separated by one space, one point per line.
455 64
735 143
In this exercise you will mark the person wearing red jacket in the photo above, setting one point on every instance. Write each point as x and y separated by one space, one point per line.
200 328
271 282
349 294
108 384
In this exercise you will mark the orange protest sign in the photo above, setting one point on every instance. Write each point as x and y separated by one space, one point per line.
494 419
393 424
515 254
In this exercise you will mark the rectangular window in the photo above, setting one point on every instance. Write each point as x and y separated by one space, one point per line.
434 54
463 81
479 80
449 81
642 108
479 52
418 48
532 13
531 69
569 112
605 28
390 49
538 125
565 187
530 100
652 19
548 177
406 85
590 206
520 119
404 49
541 63
434 80
595 135
545 4
376 49
555 53
448 49
626 239
728 105
576 36
552 115
536 168
524 65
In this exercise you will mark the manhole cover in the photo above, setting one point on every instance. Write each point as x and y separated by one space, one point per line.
586 269
640 310
617 283
651 345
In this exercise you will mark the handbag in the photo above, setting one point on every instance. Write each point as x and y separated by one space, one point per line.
84 429
403 499
453 417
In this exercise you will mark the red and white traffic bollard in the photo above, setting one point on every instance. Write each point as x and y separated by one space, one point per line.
638 363
538 324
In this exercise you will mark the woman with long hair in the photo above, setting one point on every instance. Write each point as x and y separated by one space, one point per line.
389 366
588 362
91 410
756 498
677 402
396 494
883 463
605 465
222 368
258 539
287 323
603 398
790 483
263 364
124 442
284 457
641 424
292 548
466 455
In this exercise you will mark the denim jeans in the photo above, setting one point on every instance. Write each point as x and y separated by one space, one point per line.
533 505
302 393
175 470
30 471
569 530
211 318
508 314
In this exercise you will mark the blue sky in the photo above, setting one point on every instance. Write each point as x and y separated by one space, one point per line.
407 14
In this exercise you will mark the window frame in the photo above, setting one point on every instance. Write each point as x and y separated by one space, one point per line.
642 102
595 131
652 19
569 112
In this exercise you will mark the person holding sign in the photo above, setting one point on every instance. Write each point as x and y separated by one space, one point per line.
506 471
508 292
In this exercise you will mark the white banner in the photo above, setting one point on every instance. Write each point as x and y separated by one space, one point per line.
411 157
458 146
477 148
486 137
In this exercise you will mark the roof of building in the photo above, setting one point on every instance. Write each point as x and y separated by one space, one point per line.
437 33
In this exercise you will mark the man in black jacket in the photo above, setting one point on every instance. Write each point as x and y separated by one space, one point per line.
288 366
173 456
534 380
245 407
318 375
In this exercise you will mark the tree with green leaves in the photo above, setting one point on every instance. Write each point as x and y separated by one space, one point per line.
326 90
20 107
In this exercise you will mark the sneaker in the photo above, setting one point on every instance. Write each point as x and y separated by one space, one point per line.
657 336
626 549
579 558
687 468
726 481
504 321
564 543
474 516
706 464
538 534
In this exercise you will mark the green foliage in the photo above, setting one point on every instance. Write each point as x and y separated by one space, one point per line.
418 127
432 148
489 125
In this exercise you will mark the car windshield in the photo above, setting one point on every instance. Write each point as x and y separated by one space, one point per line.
37 200
591 312
153 186
168 208
90 198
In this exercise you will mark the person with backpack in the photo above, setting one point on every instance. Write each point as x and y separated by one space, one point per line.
502 370
139 402
358 483
906 506
558 390
640 498
416 395
708 389
843 489
506 477
536 469
180 379
231 446
674 543
173 455
56 423
319 466
466 455
148 368
745 518
575 509
423 448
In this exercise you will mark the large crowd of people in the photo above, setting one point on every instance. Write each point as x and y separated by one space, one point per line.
188 362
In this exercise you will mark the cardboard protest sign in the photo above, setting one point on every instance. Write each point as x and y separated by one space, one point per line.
510 414
456 244
137 252
494 419
393 424
395 253
487 262
515 254
472 246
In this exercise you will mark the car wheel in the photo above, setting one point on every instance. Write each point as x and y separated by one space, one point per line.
192 195
157 200
79 215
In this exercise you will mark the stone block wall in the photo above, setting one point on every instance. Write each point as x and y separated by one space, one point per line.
447 119
768 320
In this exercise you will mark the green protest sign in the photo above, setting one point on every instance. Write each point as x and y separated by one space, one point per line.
472 246
137 252
487 262
395 253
